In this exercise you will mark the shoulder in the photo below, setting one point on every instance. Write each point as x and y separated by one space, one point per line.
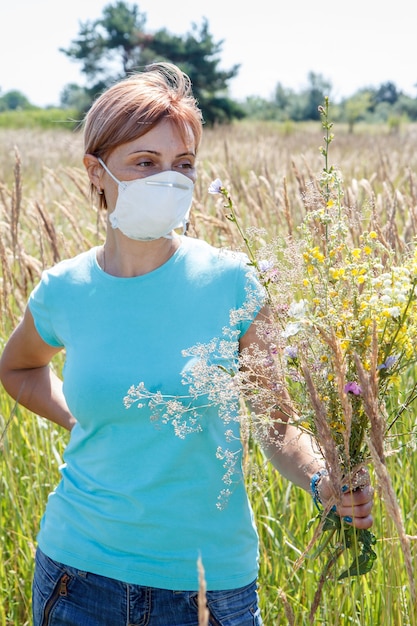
229 273
205 254
58 281
71 269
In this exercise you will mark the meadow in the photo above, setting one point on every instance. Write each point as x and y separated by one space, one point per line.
46 214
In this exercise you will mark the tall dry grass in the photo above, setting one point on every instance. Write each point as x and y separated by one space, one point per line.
46 215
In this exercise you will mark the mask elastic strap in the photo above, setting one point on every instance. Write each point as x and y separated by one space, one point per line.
109 172
184 230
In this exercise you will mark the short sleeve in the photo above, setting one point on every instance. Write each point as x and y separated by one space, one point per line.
40 305
252 295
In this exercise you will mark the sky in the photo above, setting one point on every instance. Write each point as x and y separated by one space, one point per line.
350 43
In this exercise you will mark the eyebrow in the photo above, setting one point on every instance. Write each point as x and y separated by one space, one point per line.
181 154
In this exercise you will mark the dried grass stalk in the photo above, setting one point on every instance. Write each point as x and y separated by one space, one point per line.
324 435
16 203
340 370
50 231
289 613
203 613
375 442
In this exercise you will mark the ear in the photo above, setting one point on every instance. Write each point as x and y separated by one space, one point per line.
94 170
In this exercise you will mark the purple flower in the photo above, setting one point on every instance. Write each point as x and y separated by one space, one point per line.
265 265
216 186
354 388
291 352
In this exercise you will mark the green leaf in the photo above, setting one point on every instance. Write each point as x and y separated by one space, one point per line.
363 562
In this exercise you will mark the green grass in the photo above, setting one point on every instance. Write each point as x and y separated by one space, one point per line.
266 169
31 454
40 119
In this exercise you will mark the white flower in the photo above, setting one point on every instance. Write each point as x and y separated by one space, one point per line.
291 329
394 311
298 309
216 186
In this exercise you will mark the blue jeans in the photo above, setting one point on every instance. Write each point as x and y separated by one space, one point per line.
65 596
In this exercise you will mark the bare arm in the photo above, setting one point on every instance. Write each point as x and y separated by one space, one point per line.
27 377
288 448
293 452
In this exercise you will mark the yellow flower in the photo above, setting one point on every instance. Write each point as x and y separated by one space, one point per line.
338 427
373 235
395 380
334 273
367 250
316 254
356 252
361 280
337 272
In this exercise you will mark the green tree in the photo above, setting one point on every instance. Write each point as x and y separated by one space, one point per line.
406 106
198 55
355 108
14 101
386 92
116 45
74 97
316 92
110 47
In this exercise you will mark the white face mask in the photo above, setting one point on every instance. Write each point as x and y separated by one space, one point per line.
150 208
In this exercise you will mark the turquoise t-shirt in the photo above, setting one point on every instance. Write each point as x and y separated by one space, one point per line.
142 489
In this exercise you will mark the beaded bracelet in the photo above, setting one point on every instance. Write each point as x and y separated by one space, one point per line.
314 486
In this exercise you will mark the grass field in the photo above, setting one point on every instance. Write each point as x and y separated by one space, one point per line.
46 215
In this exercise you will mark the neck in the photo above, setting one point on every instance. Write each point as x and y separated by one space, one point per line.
126 258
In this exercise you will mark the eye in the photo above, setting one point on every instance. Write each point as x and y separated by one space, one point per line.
185 163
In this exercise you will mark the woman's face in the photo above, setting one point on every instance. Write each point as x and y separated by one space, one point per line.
160 149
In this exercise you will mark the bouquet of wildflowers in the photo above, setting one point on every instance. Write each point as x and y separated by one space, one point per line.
341 338
344 332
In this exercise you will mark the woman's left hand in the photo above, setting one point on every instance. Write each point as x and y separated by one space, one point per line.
355 505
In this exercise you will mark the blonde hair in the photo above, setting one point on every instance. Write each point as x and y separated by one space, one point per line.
134 105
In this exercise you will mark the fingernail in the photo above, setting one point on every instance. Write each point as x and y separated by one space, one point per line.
345 488
348 519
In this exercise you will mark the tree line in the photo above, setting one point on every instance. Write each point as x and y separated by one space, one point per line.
118 44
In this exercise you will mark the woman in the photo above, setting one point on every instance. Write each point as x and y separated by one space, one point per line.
141 497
